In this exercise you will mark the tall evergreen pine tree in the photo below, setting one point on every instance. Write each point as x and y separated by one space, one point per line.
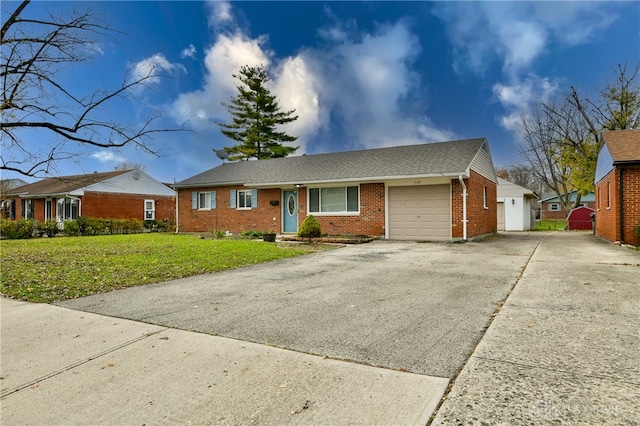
256 115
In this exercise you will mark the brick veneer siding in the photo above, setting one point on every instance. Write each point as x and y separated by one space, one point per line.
125 206
481 220
369 222
108 206
224 218
608 213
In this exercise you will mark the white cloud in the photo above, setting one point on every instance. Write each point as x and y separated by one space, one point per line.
188 52
518 97
298 88
106 156
153 67
359 82
220 13
222 60
516 33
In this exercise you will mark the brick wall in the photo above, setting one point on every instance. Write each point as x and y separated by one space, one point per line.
224 218
481 220
369 222
125 206
608 213
107 205
631 199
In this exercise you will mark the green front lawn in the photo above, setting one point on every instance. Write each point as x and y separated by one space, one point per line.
51 269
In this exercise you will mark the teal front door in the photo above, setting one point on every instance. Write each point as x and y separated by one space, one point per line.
290 211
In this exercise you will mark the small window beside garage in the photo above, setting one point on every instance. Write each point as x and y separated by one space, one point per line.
554 207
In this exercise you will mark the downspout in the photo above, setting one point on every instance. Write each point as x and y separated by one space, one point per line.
621 196
177 212
464 208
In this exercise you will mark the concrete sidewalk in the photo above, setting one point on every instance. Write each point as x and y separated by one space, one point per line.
564 349
65 367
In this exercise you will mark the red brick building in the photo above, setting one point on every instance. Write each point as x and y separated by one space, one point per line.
618 187
128 194
440 191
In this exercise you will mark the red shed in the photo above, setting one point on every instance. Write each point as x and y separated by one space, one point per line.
580 218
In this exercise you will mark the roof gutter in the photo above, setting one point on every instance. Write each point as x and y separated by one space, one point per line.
621 205
464 208
355 179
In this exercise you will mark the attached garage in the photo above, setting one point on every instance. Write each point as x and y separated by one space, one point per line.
420 212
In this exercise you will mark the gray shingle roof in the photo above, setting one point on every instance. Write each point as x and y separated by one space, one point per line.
442 158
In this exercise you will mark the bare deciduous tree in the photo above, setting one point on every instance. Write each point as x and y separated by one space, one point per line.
43 121
561 139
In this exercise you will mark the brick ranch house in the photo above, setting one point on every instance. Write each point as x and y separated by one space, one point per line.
128 194
618 186
438 191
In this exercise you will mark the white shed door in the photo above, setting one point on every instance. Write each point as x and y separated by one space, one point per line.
420 212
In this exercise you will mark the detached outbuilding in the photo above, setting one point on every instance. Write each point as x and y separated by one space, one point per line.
515 212
580 218
439 191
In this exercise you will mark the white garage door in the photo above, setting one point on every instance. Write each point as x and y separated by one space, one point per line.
420 212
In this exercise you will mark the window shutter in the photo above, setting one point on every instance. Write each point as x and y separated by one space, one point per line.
254 198
232 199
213 199
194 200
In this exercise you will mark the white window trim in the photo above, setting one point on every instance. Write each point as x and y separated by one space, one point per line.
152 210
484 197
243 191
207 200
346 213
554 210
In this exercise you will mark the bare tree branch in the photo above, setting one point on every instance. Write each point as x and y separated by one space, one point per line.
34 98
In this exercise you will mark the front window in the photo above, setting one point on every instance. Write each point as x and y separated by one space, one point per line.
67 209
27 210
244 199
149 210
343 199
204 200
554 207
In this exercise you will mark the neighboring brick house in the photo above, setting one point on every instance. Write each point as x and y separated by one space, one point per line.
128 194
618 186
551 208
410 192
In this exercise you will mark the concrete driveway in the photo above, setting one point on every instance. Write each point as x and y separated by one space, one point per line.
418 307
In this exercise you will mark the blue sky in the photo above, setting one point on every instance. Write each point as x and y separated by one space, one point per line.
359 74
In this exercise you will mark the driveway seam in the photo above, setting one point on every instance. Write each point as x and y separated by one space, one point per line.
79 363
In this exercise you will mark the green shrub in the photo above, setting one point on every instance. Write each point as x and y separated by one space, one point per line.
26 228
251 234
637 229
8 229
49 228
71 228
310 228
